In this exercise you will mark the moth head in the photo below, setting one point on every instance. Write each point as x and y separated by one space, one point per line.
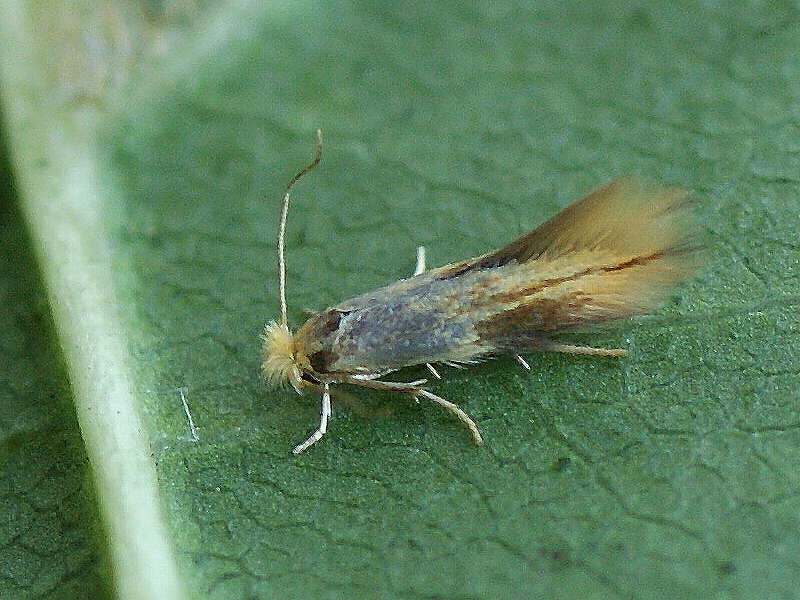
283 362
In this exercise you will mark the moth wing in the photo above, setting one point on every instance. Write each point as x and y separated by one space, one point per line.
618 252
621 217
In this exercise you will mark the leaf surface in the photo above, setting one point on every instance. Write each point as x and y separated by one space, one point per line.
457 128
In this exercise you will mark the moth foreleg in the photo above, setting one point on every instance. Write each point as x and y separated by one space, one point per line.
323 421
551 346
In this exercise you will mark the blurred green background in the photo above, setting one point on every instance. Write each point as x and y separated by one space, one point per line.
451 125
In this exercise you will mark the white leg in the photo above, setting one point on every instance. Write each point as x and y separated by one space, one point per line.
413 389
323 421
551 346
420 268
523 362
433 371
455 365
456 410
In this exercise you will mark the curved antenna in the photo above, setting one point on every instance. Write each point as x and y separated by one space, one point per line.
282 226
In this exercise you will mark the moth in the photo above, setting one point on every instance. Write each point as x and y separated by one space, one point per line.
618 252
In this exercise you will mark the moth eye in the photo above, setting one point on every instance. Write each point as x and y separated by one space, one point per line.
320 361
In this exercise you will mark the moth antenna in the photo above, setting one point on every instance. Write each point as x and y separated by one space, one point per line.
282 225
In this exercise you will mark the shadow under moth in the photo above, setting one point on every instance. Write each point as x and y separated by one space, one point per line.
618 252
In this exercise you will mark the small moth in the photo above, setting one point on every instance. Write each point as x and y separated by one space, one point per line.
618 252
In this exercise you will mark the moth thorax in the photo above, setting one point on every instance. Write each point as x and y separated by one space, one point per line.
280 357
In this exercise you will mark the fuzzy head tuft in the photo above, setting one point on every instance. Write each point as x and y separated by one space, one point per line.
280 359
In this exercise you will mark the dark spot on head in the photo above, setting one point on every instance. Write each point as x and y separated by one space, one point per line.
329 321
320 327
322 360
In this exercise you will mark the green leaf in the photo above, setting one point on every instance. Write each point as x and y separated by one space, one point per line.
152 158
51 544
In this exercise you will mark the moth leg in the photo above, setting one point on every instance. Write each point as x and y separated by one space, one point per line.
323 421
414 389
454 365
387 386
433 371
551 346
456 410
420 268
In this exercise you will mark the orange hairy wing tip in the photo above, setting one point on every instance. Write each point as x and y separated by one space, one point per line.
618 252
623 216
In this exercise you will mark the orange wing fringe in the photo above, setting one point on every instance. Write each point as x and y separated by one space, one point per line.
618 252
